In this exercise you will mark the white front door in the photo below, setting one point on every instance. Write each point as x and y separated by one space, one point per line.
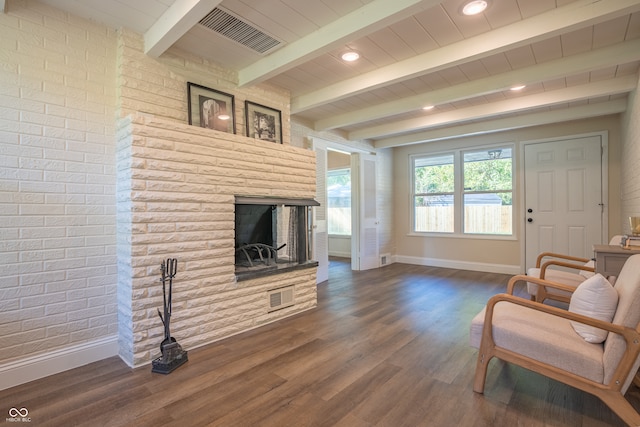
563 197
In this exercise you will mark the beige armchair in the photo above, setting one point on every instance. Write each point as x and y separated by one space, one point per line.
566 269
544 339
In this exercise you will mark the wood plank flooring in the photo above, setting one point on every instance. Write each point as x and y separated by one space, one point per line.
386 347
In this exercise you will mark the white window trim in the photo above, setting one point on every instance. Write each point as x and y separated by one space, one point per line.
459 193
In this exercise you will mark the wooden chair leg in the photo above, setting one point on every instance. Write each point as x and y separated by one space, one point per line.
621 407
636 379
481 371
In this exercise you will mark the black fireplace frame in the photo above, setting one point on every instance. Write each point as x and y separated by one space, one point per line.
304 254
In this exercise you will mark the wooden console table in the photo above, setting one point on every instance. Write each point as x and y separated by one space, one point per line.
611 258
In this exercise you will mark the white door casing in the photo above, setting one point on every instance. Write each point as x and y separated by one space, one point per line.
365 241
320 232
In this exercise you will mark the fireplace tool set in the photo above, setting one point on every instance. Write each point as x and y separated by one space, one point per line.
173 355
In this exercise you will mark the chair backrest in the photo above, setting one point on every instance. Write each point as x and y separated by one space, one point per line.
616 240
627 314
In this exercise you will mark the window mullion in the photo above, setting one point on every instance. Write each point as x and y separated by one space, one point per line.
458 213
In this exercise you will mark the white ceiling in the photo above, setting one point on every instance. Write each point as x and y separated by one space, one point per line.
578 58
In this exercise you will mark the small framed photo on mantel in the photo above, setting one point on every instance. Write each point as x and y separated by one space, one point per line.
211 109
263 123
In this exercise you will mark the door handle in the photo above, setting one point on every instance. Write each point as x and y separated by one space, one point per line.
529 219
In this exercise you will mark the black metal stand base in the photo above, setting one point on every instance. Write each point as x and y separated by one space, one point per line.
173 356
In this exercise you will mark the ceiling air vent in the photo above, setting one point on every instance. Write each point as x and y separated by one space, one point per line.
232 27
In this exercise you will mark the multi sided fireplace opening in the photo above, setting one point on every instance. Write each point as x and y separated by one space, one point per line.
272 235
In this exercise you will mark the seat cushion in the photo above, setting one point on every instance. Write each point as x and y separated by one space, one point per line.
564 277
543 337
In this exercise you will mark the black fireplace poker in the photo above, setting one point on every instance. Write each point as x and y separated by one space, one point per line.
173 355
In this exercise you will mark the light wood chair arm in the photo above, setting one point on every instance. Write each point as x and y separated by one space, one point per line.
582 267
538 281
561 256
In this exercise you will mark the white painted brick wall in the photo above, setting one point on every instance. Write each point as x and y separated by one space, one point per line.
57 180
630 191
158 86
179 183
63 79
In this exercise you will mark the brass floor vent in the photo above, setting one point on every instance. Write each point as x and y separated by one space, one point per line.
232 27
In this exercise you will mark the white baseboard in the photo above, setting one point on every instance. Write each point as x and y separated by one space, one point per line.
460 265
40 366
340 254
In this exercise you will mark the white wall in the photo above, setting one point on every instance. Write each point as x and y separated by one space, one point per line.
57 189
340 246
630 170
490 254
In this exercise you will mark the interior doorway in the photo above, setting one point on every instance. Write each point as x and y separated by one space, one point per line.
364 249
339 212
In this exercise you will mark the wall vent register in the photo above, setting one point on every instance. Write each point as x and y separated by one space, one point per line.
280 298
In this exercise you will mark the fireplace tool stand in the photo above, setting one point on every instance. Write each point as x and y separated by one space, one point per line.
173 355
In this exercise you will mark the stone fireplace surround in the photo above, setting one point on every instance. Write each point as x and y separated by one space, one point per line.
176 192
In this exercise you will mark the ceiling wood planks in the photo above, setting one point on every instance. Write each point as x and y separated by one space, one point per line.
527 31
413 53
625 52
371 17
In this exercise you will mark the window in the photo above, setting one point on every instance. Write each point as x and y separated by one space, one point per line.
339 201
468 192
433 198
488 191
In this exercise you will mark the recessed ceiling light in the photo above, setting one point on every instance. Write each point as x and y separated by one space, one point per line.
428 107
474 7
223 116
516 88
350 56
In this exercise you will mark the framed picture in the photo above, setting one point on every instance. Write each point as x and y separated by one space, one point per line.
263 122
211 109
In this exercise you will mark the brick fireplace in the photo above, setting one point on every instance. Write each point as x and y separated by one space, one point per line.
177 189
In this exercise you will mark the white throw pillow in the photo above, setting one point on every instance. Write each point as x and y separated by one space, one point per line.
595 297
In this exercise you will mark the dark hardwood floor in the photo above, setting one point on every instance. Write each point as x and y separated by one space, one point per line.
386 347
